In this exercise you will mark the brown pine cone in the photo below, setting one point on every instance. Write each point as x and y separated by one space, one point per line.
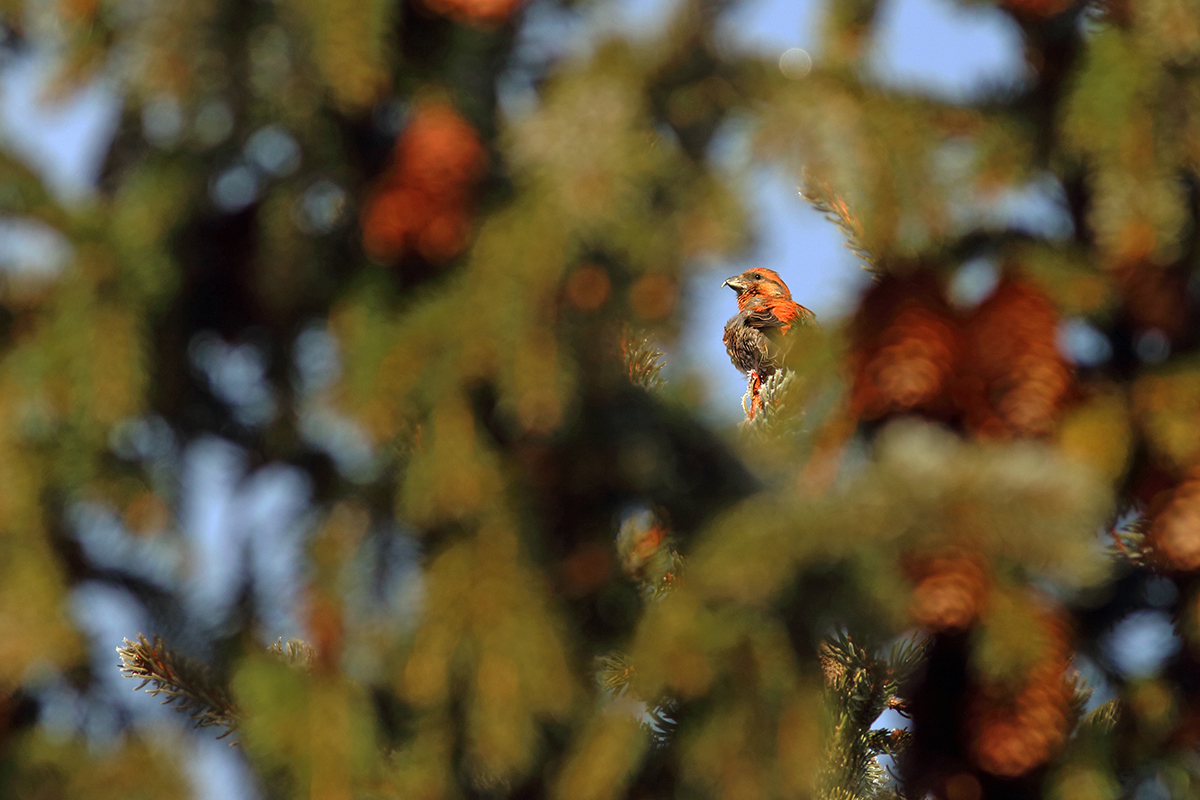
422 203
905 344
1012 735
951 589
1173 539
1015 382
1016 728
474 12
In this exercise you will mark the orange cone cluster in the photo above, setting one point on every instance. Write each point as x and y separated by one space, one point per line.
1016 381
422 204
950 590
906 347
1013 729
1173 537
998 371
477 12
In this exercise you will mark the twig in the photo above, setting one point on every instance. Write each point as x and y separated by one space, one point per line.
188 685
823 198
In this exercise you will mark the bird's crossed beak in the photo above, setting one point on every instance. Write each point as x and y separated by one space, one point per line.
736 284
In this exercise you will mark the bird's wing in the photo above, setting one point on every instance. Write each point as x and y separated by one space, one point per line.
775 320
779 315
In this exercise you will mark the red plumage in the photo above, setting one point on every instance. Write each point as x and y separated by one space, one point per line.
758 338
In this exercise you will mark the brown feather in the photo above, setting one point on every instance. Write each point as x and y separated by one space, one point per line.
757 337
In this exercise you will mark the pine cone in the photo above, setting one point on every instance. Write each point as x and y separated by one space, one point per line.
1173 539
477 12
904 347
440 154
833 669
422 203
1012 735
951 590
1015 381
1013 729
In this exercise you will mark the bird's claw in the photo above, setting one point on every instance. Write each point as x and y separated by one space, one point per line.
751 396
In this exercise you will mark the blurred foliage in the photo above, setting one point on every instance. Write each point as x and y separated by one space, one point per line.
41 767
944 509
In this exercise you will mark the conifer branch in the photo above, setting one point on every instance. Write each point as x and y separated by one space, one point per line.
1129 539
614 673
904 658
1102 718
643 361
859 687
821 196
1081 694
646 553
660 722
189 686
296 652
889 742
777 410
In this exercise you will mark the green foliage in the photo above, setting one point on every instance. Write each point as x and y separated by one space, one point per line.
139 770
861 686
643 361
307 731
612 596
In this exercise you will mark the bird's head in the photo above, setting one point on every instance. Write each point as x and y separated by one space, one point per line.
758 283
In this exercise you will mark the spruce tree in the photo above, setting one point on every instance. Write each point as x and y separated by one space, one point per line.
885 583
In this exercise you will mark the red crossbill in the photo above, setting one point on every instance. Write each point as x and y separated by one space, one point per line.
757 337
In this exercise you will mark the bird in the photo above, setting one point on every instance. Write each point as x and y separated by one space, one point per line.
760 335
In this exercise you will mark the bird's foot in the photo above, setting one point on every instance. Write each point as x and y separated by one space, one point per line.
751 400
756 405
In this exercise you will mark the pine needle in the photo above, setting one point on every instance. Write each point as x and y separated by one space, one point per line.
1129 538
643 361
778 411
821 196
614 673
295 652
1102 718
189 686
860 686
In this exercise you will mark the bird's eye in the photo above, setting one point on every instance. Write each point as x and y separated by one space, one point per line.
756 276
